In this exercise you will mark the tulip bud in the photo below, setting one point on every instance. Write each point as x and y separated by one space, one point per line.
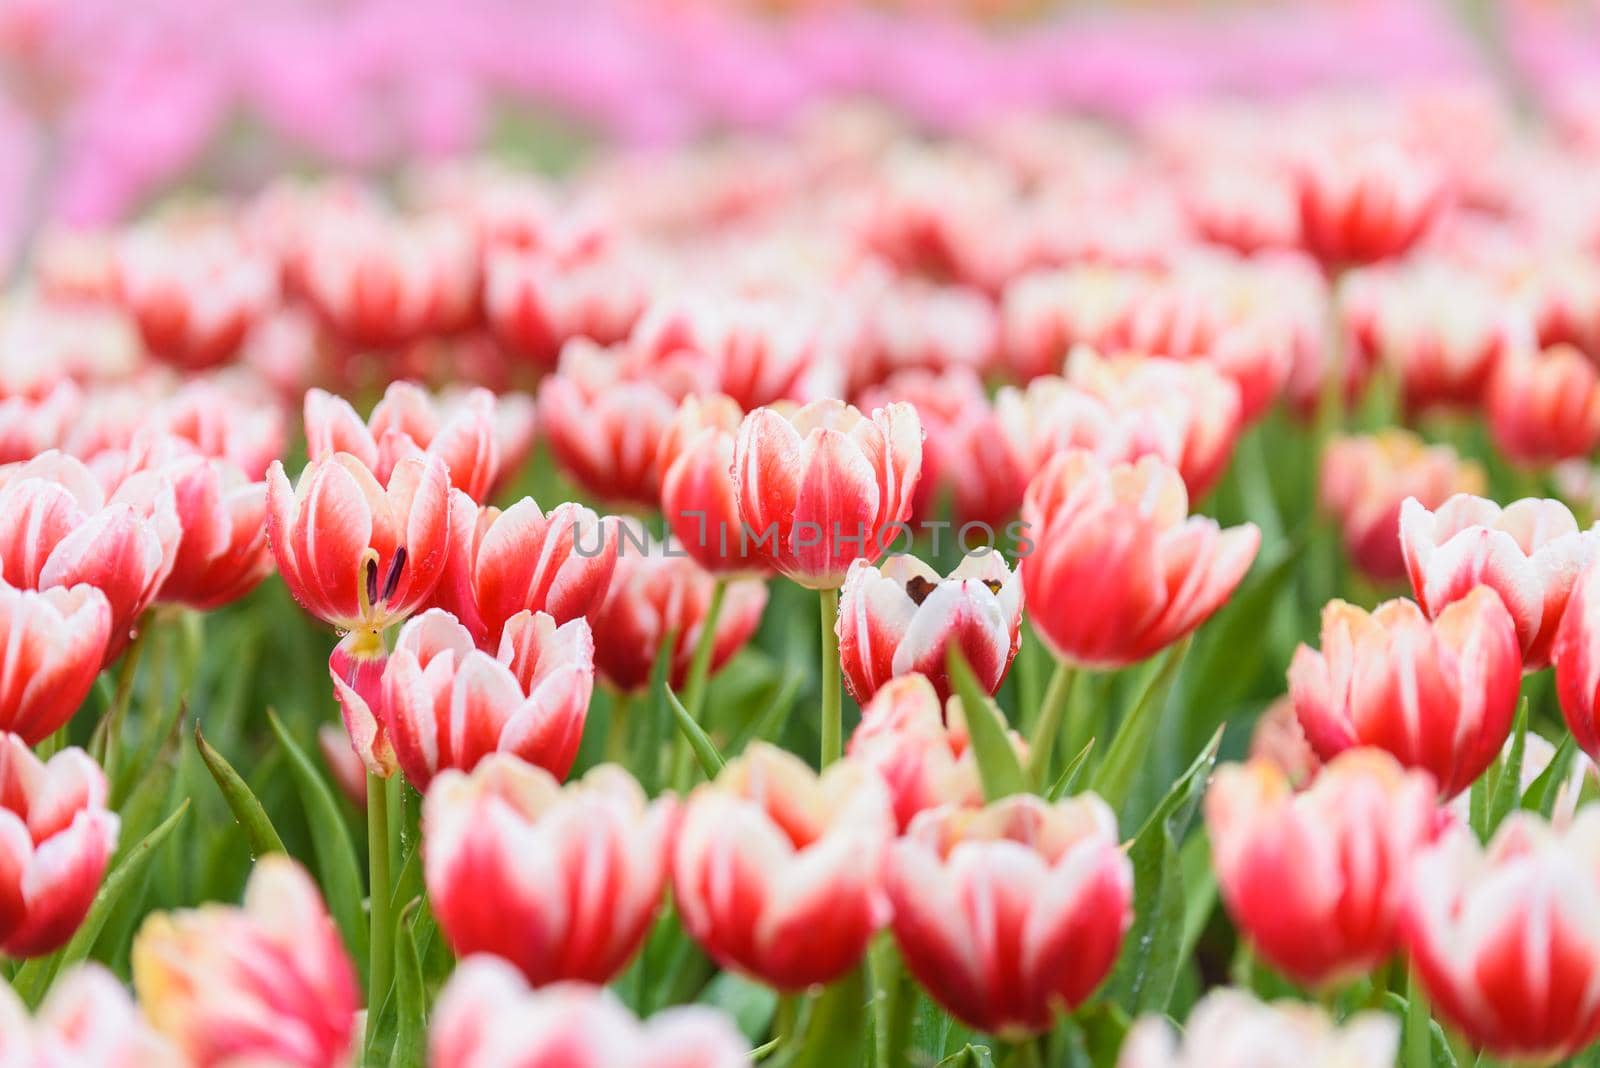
56 836
223 553
1438 695
778 872
58 528
487 1017
1230 1027
1499 935
903 618
1314 879
1530 553
826 485
355 553
597 852
268 982
1546 407
756 351
1366 479
1143 573
524 559
52 643
536 302
920 748
1577 657
698 495
446 704
408 422
1364 203
1009 915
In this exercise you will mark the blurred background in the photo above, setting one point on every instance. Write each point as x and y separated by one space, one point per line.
109 104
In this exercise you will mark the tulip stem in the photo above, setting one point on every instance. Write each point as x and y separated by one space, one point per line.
1042 745
832 715
1418 1036
694 687
103 746
381 929
617 729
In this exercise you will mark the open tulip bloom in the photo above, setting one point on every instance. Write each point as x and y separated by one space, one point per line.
935 581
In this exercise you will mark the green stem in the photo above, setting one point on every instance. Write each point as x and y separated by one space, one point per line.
1042 745
380 938
832 713
617 730
694 687
104 745
1023 1055
1418 1037
890 1020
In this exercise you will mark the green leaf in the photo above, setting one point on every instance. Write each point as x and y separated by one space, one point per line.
770 723
337 867
1508 784
705 750
410 1042
970 1056
1114 778
1543 791
1436 1052
246 807
998 767
750 1004
1153 951
1068 779
35 976
1478 805
1236 647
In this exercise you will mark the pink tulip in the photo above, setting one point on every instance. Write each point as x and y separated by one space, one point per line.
52 643
408 422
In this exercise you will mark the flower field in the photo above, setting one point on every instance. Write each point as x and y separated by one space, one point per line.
1101 579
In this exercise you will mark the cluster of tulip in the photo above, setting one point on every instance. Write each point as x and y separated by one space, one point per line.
953 400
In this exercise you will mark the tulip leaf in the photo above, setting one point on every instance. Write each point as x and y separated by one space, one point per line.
769 725
1508 781
242 801
998 767
410 1042
337 866
1131 744
1152 952
35 976
705 750
1542 792
1068 779
750 1004
1416 1052
969 1056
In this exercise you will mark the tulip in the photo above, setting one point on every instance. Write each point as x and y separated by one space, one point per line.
604 422
917 326
1576 652
659 593
1230 1027
1011 914
524 559
778 872
355 553
1366 479
1142 572
407 422
825 485
268 982
86 1019
1360 204
698 497
58 528
597 852
1279 740
226 424
223 553
965 453
919 746
756 351
487 1017
902 617
1438 695
1530 553
447 704
30 425
1501 936
193 296
535 302
1249 208
56 837
52 643
1545 408
1314 879
1047 314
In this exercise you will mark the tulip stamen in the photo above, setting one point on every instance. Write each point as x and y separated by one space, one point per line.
391 581
918 588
